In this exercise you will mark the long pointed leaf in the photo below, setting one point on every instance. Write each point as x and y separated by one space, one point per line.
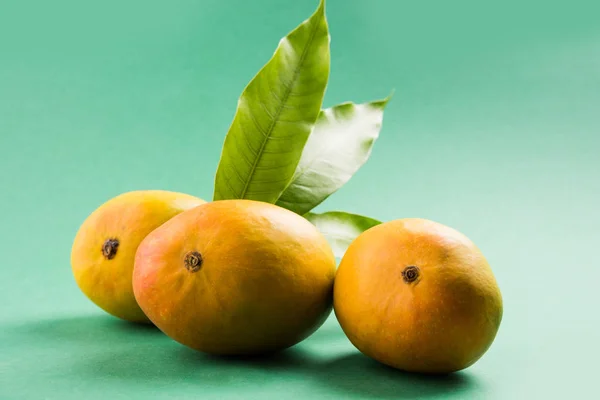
275 115
339 145
341 228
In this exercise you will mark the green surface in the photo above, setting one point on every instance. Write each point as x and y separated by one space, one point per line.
493 130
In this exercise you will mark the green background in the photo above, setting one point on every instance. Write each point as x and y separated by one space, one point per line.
494 130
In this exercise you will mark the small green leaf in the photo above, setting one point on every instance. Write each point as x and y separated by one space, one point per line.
341 228
339 145
275 115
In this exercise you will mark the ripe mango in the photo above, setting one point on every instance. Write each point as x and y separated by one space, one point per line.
235 277
104 248
419 296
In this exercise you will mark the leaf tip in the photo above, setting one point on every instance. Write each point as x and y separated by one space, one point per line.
321 7
389 97
320 11
383 102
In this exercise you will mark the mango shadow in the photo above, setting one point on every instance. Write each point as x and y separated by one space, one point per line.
172 363
86 329
356 374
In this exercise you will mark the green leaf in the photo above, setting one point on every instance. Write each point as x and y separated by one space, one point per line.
339 145
341 228
275 115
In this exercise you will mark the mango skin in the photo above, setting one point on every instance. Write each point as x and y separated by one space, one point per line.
128 218
442 322
264 284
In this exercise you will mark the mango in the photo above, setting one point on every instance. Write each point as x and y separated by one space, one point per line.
235 277
418 296
103 252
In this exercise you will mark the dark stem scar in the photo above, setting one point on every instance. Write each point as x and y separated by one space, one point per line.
109 248
193 261
411 273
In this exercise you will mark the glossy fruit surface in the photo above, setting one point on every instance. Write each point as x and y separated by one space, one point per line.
417 295
104 248
236 277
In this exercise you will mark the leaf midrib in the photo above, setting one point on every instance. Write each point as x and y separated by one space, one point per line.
288 91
